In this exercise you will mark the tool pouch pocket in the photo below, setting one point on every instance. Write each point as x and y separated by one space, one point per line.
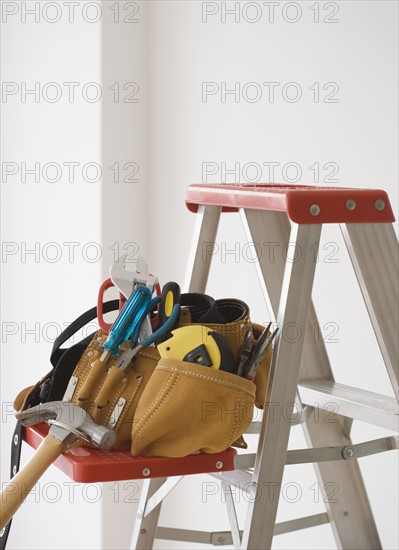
187 408
109 394
238 319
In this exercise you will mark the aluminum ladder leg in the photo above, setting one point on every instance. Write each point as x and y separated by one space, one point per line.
351 519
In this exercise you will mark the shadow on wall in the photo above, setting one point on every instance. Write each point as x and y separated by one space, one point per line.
124 132
124 194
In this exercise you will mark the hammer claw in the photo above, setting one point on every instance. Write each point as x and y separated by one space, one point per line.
69 423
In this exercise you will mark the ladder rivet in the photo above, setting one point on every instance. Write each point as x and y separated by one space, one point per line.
346 513
2 532
350 204
16 439
348 453
146 472
379 204
143 531
315 209
219 464
14 470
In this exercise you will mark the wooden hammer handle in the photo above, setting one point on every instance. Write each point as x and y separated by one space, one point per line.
15 492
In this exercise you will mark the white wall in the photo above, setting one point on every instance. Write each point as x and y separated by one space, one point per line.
171 134
36 291
91 47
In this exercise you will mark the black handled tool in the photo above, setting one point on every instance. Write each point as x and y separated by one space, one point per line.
258 352
245 350
169 298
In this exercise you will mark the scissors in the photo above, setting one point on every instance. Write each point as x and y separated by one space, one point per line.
125 281
100 304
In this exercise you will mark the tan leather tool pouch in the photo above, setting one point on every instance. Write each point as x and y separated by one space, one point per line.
110 394
201 408
186 408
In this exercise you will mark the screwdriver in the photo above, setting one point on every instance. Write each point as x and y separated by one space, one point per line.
130 316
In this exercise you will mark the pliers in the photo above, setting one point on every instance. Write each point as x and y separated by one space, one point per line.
258 352
127 356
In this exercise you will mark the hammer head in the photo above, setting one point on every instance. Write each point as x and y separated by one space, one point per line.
69 423
126 280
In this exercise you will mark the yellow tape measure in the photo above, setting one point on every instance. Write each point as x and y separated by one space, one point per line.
194 344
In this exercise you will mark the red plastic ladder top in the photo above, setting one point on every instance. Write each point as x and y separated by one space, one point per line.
93 465
304 204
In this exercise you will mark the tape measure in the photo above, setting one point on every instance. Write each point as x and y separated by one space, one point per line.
198 344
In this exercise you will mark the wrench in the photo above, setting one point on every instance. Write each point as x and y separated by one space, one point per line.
126 281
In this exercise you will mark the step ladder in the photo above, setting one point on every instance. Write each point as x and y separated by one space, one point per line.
300 370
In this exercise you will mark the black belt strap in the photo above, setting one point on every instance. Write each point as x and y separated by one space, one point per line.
16 446
64 361
203 308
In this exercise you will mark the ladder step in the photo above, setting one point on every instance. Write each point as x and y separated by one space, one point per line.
223 538
363 405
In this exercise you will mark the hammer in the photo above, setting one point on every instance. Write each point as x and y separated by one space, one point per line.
68 424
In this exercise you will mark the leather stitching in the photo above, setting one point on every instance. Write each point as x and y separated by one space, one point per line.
128 404
208 378
161 397
231 438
